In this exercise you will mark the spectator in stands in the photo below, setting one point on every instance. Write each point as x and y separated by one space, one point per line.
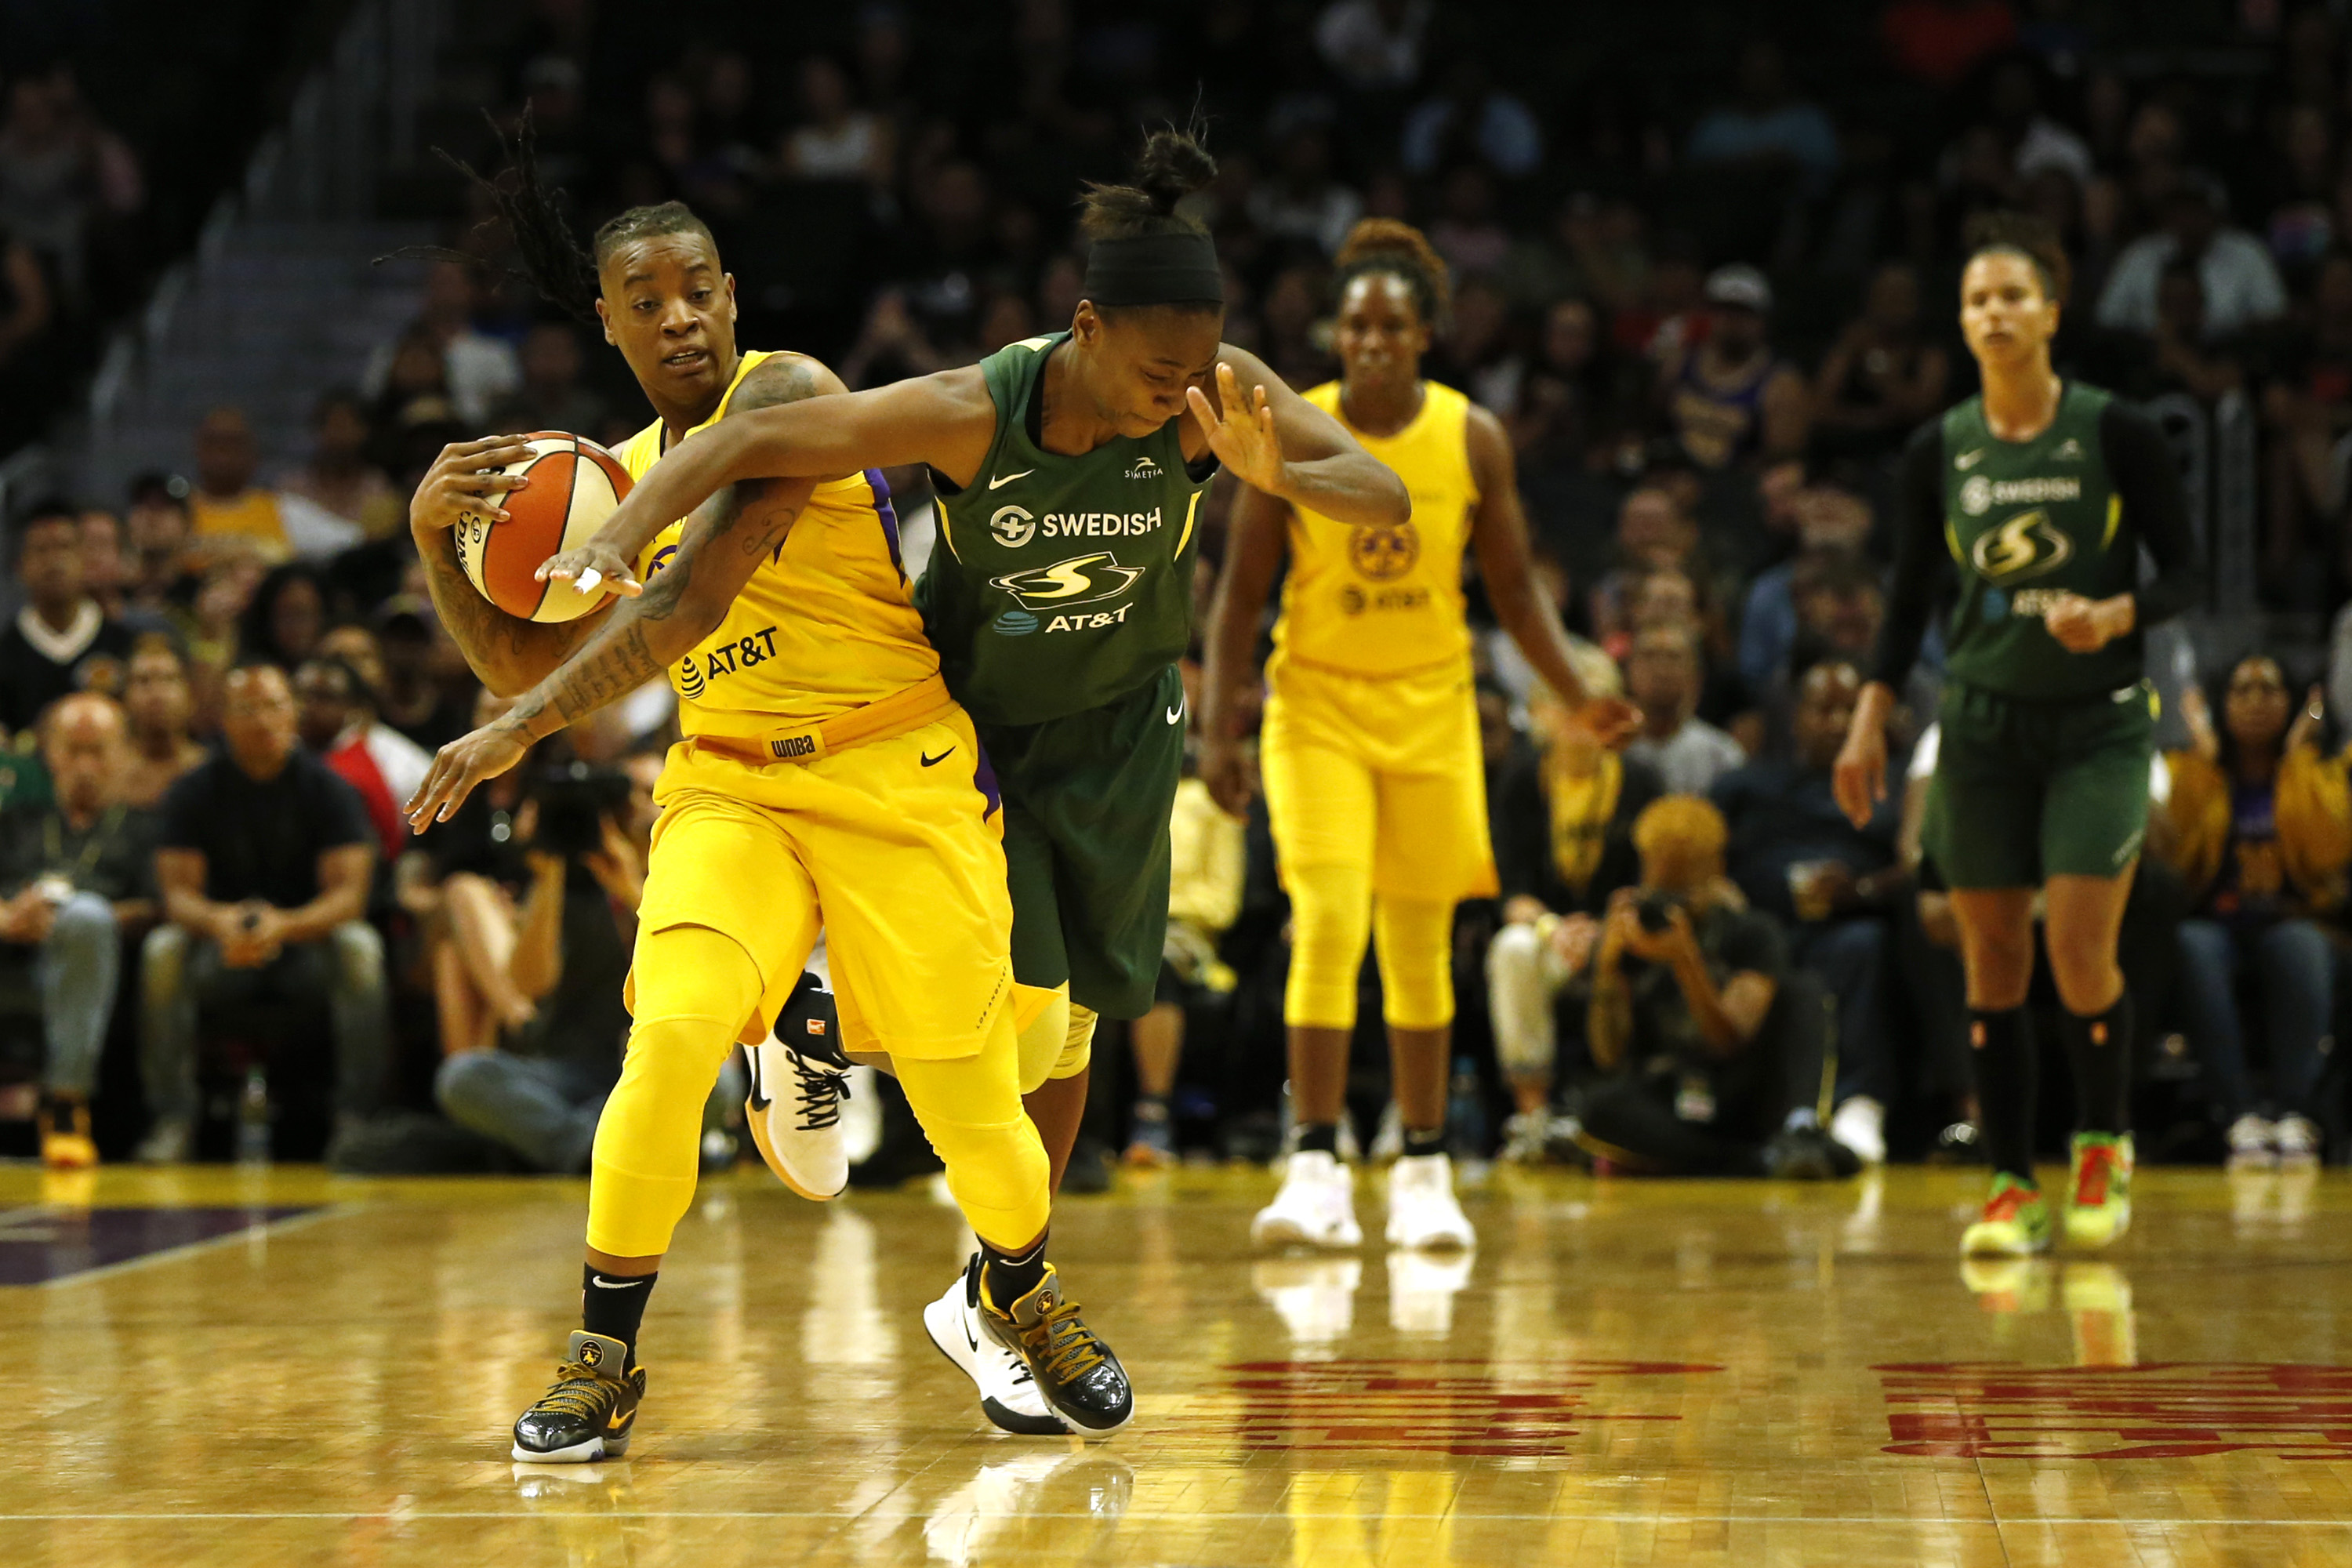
287 617
1882 376
75 873
1373 45
338 722
836 139
1580 396
338 479
2035 143
411 698
2307 406
2181 356
478 369
157 708
62 640
1732 398
105 563
48 182
227 506
551 396
1563 833
1664 676
1204 898
1766 127
264 865
1706 1076
2261 835
1833 888
1303 201
1831 523
1470 119
2241 284
156 531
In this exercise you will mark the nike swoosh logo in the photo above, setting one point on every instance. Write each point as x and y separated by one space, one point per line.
970 1337
759 1101
604 1284
1003 479
1176 714
943 756
1967 461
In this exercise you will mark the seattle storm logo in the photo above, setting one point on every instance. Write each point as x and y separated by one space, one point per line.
1080 580
1381 550
2027 545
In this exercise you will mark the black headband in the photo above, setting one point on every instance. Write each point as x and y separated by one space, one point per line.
1179 267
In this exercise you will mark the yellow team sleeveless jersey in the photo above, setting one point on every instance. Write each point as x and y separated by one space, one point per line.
1378 600
824 625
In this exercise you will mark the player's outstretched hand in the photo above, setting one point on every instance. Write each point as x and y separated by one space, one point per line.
2087 626
458 767
1242 437
1610 721
465 478
591 566
1859 781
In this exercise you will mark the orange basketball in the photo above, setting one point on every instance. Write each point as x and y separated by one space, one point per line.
574 486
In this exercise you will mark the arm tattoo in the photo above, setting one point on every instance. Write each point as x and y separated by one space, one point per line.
494 642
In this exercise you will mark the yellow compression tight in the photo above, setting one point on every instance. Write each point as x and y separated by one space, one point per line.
694 988
1332 911
1057 1035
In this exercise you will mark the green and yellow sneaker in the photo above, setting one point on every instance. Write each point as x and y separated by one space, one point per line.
2098 1194
2016 1221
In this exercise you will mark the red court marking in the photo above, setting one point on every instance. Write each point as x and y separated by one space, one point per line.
2160 1410
1463 1407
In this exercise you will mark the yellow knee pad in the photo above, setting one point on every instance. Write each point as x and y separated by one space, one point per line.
1415 938
1077 1044
1330 915
971 1111
1042 1017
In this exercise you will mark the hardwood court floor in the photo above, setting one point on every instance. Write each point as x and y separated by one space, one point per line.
1626 1373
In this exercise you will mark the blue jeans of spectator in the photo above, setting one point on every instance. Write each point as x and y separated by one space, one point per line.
1851 957
543 1109
182 972
77 971
2296 967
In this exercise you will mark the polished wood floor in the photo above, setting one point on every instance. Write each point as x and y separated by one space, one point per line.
240 1368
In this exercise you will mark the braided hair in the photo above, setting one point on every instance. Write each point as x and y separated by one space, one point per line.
553 261
1383 245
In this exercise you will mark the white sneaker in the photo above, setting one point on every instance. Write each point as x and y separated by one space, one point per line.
1008 1394
1315 1208
2298 1142
1861 1125
1422 1210
2253 1143
794 1114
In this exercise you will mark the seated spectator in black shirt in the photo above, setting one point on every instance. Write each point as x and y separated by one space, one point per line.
75 874
1714 1046
264 866
1831 886
62 640
1563 827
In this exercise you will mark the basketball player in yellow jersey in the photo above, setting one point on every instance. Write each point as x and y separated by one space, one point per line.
1370 751
825 776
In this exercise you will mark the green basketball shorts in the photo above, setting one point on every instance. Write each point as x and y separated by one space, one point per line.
2027 790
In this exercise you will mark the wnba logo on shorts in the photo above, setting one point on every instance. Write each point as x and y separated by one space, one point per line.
794 746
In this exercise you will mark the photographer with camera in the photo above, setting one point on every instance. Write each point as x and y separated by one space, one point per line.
1715 1045
537 1085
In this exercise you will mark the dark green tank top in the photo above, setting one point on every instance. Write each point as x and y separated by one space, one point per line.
1059 583
2026 520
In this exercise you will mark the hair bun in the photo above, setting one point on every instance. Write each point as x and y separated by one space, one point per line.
1172 165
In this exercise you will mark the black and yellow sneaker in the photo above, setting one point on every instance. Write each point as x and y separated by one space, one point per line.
589 1411
1075 1371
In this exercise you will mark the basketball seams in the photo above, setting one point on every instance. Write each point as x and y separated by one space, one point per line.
502 559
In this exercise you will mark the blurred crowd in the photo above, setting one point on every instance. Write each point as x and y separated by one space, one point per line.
1708 320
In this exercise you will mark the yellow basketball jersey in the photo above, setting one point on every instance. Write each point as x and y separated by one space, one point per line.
825 625
1380 600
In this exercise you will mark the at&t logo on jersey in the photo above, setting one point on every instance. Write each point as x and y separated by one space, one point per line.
2027 545
1080 580
712 661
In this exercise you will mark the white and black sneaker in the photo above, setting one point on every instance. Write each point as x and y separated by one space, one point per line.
799 1079
1009 1397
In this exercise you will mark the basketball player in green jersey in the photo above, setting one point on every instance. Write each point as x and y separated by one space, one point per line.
2041 492
1059 596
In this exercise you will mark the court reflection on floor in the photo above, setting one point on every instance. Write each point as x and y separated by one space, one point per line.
256 1367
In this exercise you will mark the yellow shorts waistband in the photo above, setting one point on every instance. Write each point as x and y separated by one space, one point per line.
902 711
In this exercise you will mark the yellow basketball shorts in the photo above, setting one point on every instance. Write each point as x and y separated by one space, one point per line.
1380 774
892 847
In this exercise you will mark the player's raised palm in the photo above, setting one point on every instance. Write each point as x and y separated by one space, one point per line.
1242 435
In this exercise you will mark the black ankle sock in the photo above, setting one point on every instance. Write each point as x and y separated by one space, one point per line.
1420 1140
2099 1050
1006 1278
2004 1062
1318 1138
614 1305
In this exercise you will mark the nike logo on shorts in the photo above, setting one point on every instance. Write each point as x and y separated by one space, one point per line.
943 756
1003 479
1176 714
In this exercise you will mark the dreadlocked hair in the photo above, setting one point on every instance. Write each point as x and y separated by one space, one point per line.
553 261
1403 252
1172 166
2022 234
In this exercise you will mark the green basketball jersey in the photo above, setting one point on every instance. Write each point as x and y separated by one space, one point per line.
1060 582
2027 520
